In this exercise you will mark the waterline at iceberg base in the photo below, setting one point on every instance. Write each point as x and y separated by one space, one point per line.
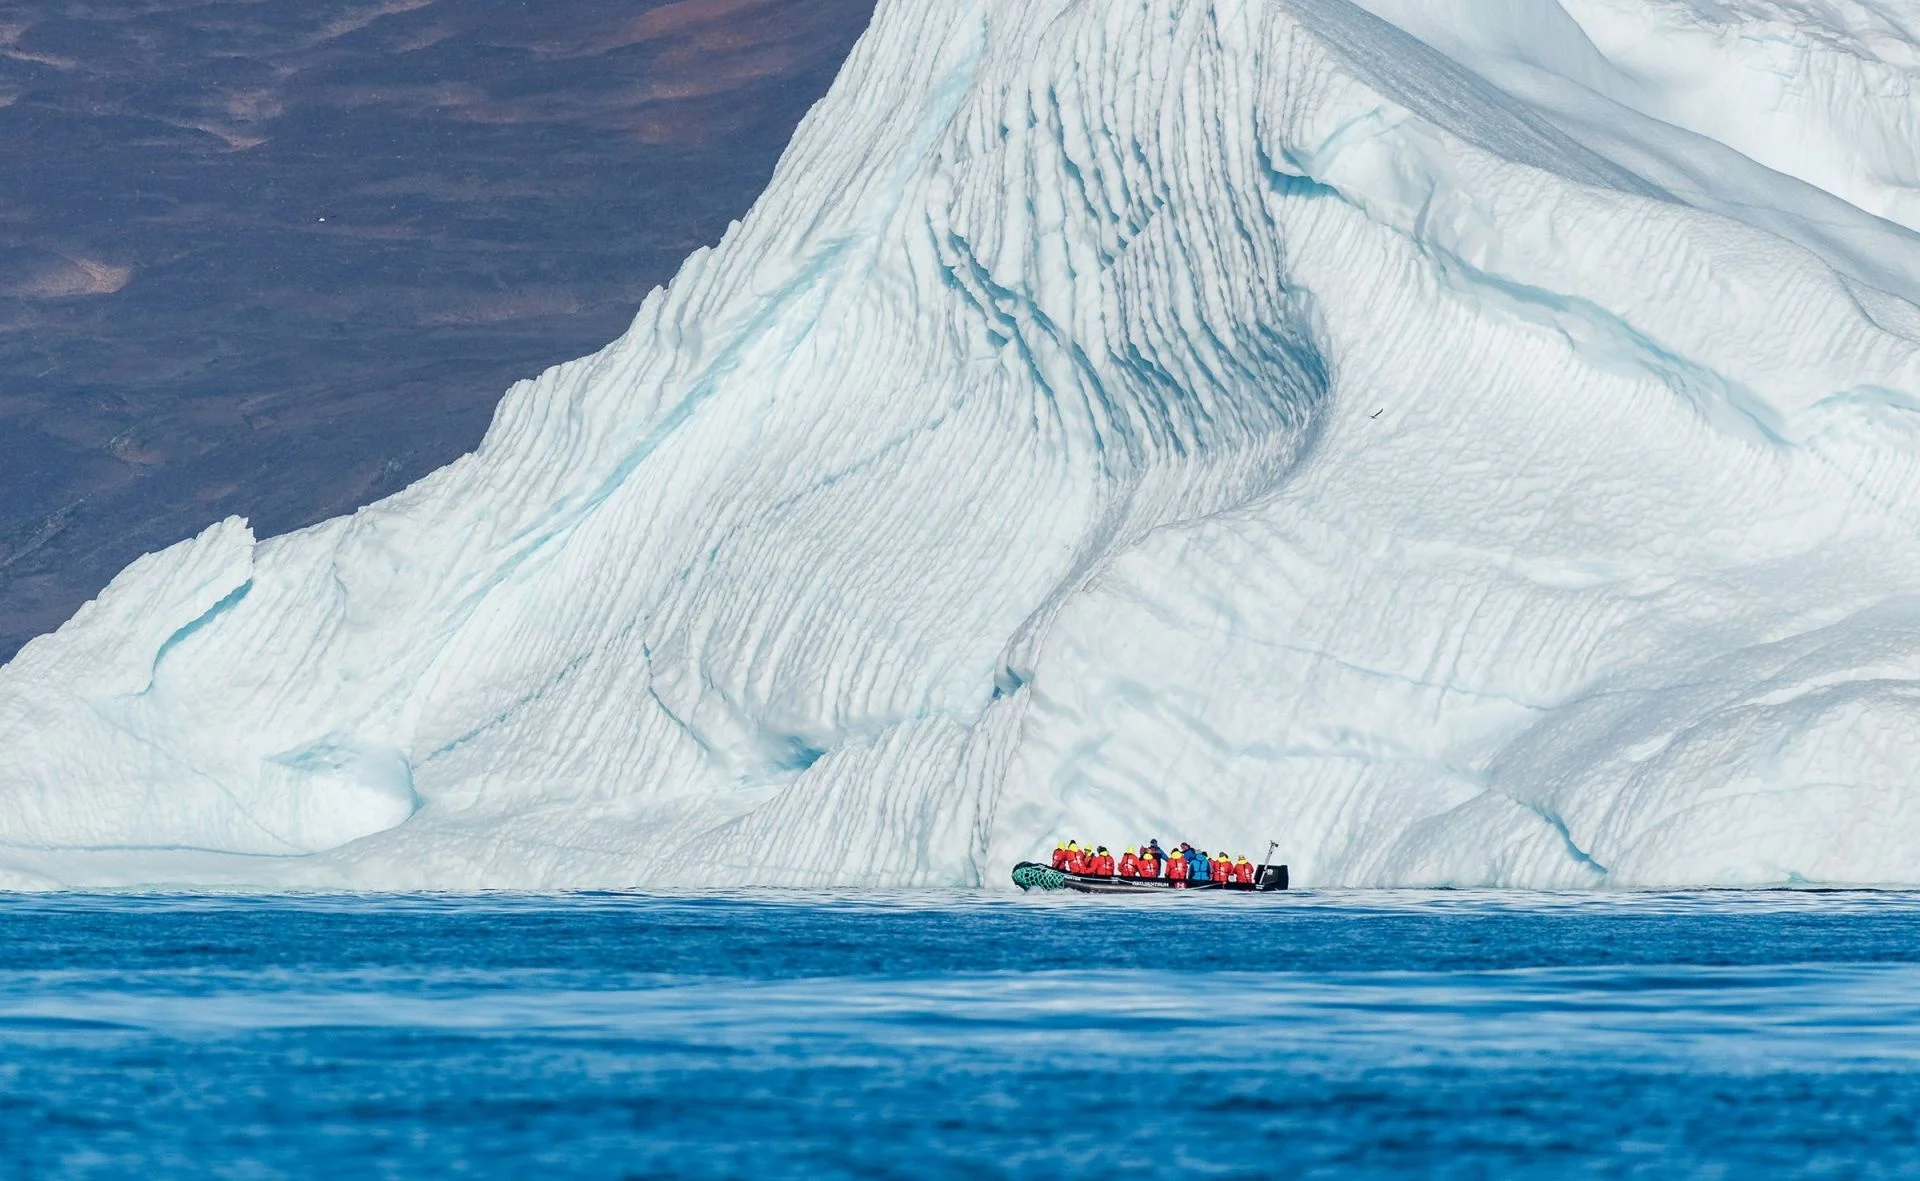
1473 443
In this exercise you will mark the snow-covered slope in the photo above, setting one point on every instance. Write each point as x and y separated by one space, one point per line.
1469 441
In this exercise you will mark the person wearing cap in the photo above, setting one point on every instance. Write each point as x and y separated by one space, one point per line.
1152 848
1130 863
1059 854
1243 870
1177 867
1222 868
1148 866
1102 863
1198 869
1076 858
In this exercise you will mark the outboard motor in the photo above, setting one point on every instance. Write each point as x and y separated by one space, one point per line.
1270 877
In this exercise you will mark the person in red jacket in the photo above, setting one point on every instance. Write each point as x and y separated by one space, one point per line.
1059 854
1243 870
1076 858
1176 867
1220 869
1148 865
1102 863
1130 863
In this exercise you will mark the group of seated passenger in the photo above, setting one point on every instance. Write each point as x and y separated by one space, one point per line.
1183 864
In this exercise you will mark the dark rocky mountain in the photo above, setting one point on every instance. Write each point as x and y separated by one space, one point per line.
282 259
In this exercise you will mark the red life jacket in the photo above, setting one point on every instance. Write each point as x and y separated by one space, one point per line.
1177 869
1220 870
1060 858
1129 865
1243 872
1103 864
1148 868
1076 861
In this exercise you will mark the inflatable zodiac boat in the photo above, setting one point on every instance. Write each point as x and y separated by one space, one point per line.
1031 875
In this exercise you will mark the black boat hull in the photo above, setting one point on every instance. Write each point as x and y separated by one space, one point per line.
1031 875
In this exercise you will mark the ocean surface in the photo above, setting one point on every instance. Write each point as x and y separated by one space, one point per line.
1445 1034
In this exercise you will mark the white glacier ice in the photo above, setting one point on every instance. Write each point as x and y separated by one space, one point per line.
1471 441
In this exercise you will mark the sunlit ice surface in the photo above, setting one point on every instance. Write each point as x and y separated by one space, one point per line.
1475 442
946 1034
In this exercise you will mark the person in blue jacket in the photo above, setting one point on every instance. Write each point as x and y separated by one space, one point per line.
1197 870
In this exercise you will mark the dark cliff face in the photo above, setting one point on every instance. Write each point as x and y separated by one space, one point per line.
282 259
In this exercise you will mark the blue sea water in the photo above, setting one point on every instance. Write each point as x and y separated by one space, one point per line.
1312 1035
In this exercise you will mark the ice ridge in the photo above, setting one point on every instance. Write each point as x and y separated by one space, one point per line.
1469 442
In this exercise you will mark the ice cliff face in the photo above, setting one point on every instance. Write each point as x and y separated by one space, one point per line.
1470 442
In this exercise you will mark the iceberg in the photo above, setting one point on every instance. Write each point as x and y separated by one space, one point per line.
1471 442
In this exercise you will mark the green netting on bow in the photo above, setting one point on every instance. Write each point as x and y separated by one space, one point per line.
1038 877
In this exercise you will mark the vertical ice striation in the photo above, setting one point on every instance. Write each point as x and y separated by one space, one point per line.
1440 436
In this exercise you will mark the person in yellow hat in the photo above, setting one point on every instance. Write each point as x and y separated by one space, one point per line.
1059 854
1149 864
1130 863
